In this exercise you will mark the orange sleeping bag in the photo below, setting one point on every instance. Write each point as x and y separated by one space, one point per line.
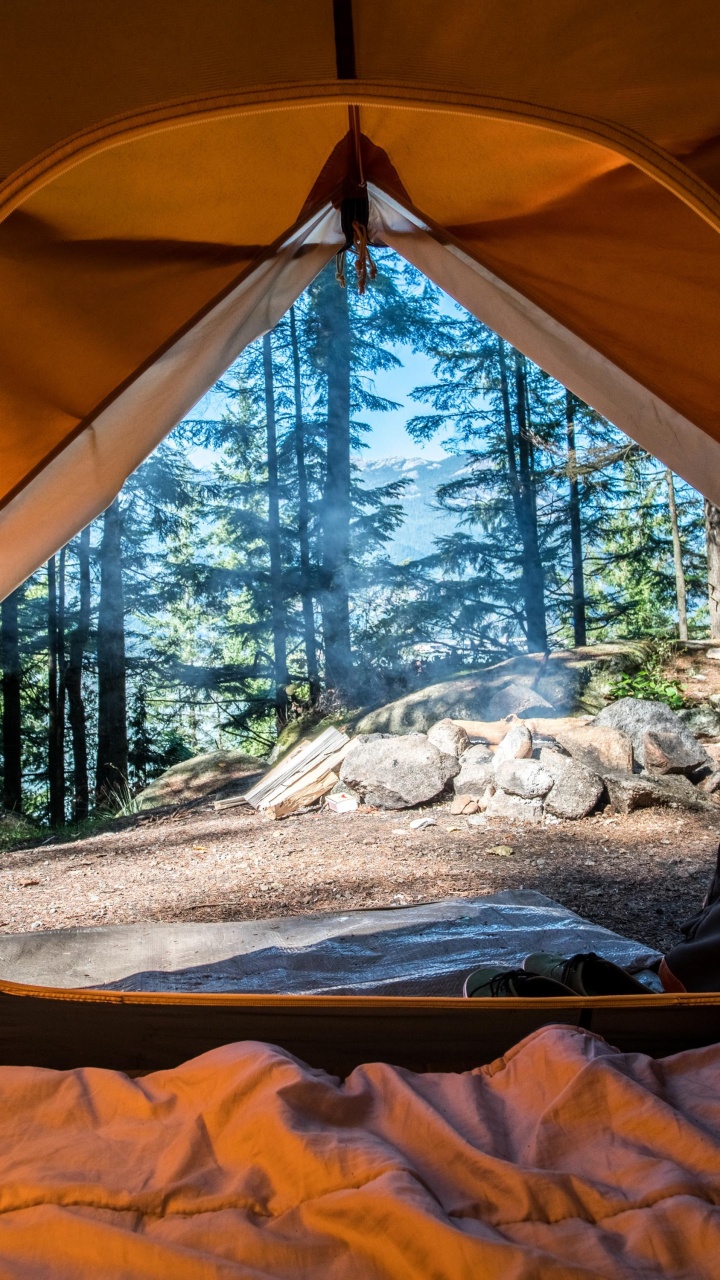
563 1159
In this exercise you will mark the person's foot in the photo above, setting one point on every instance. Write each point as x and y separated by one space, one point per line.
585 975
511 982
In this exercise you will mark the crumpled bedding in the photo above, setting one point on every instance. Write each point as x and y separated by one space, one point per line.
565 1158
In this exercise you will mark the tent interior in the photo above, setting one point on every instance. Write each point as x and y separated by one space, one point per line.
170 187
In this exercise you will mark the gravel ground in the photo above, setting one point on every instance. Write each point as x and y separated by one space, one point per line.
641 874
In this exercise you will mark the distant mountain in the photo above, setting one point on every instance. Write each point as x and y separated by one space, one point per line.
423 521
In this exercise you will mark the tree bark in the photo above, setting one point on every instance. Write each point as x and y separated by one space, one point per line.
576 548
277 597
680 590
12 709
712 530
112 758
522 491
336 504
56 691
306 598
73 683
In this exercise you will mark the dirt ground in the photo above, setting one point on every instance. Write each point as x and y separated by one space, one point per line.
640 874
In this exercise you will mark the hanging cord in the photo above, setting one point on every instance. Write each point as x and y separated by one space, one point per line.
364 266
340 267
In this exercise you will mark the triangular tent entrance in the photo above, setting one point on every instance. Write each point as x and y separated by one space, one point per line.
174 177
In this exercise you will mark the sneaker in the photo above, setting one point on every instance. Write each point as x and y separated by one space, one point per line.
585 975
511 982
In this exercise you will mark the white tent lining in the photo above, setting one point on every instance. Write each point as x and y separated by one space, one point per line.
85 477
647 419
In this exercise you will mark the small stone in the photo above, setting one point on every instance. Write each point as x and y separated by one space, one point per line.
598 747
464 804
525 778
449 737
514 808
487 795
516 745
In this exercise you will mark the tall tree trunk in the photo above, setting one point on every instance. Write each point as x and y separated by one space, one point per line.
73 684
112 758
277 599
677 557
56 692
306 598
712 530
522 491
12 712
336 505
576 550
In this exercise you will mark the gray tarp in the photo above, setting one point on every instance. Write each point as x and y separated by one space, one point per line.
425 950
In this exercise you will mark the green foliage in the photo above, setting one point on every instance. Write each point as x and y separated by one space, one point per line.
650 681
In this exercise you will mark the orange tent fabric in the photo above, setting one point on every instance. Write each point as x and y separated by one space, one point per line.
171 177
564 1159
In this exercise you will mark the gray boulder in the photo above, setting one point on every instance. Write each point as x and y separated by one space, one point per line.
449 737
476 772
514 808
215 773
661 742
703 721
628 791
517 700
397 772
566 679
576 789
525 778
516 745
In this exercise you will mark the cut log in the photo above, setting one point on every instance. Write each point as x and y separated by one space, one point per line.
493 731
306 794
295 767
299 785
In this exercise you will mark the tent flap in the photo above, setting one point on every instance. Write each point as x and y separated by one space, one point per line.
165 189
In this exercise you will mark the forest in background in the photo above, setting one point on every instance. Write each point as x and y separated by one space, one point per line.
244 576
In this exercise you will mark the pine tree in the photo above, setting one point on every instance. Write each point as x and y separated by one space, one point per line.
12 710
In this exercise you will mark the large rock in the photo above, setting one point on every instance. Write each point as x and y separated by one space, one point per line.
395 772
205 775
514 808
516 745
517 700
525 778
598 747
576 789
570 680
449 737
703 722
628 791
476 772
657 733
